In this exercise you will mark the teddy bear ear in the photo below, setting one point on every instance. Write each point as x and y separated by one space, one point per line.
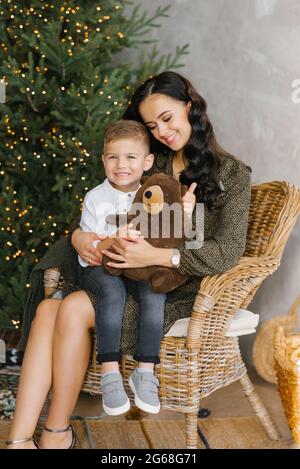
184 189
143 179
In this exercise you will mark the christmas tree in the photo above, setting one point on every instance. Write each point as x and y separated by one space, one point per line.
66 78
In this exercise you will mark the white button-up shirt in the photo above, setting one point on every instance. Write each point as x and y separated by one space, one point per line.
99 202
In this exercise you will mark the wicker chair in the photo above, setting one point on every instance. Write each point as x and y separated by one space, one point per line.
191 368
286 361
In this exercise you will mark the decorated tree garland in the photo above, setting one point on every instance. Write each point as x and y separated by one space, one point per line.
65 80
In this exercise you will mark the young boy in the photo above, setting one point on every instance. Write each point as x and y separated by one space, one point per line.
125 158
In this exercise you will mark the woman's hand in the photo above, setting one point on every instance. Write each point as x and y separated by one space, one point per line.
131 253
189 200
83 243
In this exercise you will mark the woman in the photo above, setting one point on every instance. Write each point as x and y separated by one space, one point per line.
58 347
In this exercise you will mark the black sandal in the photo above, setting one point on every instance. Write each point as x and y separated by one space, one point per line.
69 427
22 440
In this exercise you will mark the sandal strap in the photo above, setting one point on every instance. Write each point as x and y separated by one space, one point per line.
22 440
54 430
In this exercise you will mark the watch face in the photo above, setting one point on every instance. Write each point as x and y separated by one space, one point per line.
175 260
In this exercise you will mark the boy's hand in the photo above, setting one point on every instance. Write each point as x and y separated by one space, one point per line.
123 232
127 230
189 200
104 244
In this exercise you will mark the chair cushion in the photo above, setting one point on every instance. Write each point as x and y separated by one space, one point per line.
244 322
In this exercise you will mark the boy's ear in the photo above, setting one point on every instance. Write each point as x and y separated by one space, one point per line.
149 161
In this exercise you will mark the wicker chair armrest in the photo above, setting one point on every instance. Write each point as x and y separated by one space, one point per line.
51 279
228 290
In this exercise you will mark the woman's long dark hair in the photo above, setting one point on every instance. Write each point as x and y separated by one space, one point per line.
202 150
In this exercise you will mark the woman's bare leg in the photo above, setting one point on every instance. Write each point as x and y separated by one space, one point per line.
36 373
71 350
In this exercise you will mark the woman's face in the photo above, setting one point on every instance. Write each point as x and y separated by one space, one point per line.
167 118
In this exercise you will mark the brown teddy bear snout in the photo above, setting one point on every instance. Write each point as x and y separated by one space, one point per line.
153 200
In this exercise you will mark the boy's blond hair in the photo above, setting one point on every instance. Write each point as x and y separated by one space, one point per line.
126 129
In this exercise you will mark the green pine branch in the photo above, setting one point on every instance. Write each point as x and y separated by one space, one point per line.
140 25
61 93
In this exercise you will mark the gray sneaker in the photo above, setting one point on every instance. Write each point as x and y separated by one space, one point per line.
114 397
144 386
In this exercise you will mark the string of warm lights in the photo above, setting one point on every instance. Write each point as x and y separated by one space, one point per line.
62 88
35 76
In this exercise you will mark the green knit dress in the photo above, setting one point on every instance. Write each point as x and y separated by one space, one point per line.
225 229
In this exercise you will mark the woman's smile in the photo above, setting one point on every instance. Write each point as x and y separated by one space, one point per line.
171 138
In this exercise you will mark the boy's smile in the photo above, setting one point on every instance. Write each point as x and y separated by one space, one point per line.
124 162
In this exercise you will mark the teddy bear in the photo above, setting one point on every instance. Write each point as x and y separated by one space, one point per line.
161 227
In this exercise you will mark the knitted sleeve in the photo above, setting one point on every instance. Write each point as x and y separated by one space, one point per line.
73 226
227 228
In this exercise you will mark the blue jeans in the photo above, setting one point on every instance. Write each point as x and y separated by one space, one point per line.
110 293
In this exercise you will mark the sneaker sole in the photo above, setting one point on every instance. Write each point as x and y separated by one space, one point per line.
116 410
140 404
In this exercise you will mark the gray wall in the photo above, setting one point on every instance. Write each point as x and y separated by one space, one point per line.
244 57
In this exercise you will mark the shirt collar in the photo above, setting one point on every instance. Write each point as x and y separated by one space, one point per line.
117 192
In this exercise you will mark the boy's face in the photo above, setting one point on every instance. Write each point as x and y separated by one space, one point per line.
124 161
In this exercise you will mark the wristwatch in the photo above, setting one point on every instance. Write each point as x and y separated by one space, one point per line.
175 259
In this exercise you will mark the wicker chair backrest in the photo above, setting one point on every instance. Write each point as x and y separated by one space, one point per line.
272 216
